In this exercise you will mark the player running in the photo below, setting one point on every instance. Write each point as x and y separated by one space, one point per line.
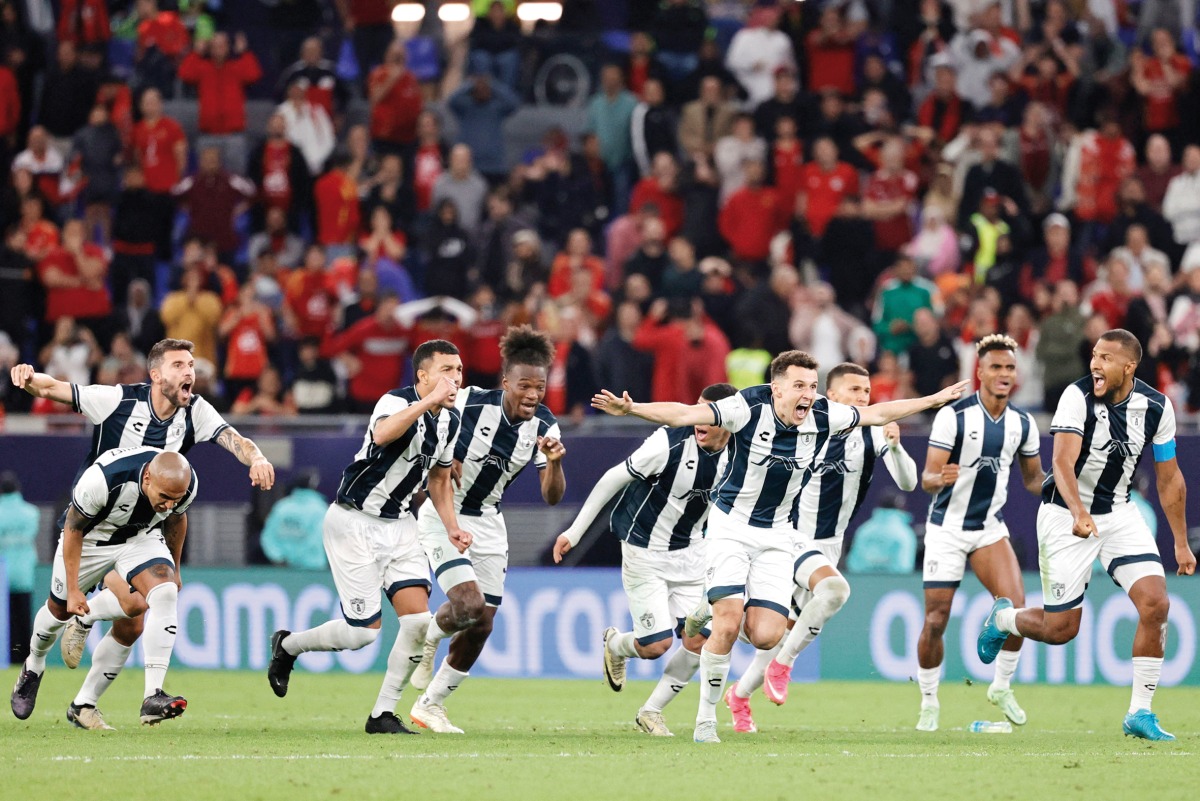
1101 427
371 537
502 431
165 414
832 496
972 447
777 428
129 512
664 488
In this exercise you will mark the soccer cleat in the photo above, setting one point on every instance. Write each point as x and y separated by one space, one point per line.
160 706
424 672
991 638
73 640
24 694
433 717
280 668
387 723
743 721
652 723
697 619
1007 701
929 718
86 716
775 682
614 666
1144 724
706 732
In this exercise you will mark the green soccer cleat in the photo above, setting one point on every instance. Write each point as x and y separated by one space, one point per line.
929 718
1007 702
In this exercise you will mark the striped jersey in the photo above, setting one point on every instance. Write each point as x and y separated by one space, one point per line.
493 450
837 482
769 459
666 507
1114 437
382 479
109 494
984 449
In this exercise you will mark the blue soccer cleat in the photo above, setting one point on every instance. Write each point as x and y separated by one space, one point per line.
1144 724
991 639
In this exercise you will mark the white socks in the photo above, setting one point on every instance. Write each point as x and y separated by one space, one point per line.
1146 670
158 639
1006 666
678 671
335 635
434 633
927 680
623 644
445 681
752 679
103 606
107 662
714 669
46 628
827 600
1006 621
402 660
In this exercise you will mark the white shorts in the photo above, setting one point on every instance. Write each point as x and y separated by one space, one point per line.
368 553
811 555
485 562
1124 545
755 563
662 587
130 558
947 549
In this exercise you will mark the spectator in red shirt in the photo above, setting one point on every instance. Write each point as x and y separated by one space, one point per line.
660 189
943 111
1157 172
34 236
307 296
316 76
10 113
83 23
246 328
577 257
214 197
752 216
162 39
1105 158
831 53
689 350
888 197
1160 79
826 181
278 169
396 102
221 82
338 216
73 276
787 161
159 146
1112 298
374 351
430 159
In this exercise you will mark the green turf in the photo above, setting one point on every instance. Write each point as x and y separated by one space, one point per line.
533 740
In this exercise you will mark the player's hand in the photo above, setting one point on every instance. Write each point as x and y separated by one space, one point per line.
21 375
77 603
262 474
949 474
1084 527
891 434
609 403
951 393
460 539
553 449
561 546
456 474
444 390
1186 560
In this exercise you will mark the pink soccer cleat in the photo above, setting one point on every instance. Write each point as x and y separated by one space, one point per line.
776 681
743 721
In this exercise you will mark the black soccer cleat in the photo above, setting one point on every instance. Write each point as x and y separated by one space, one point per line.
160 707
24 694
387 723
280 668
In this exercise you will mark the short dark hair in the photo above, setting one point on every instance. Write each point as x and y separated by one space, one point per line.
716 392
846 368
427 350
791 358
157 353
1126 340
523 345
995 342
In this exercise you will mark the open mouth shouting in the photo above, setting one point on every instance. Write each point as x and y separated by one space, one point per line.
1099 384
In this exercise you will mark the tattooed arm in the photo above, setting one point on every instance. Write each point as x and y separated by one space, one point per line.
175 532
262 472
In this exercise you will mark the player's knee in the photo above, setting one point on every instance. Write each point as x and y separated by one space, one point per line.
58 609
935 621
133 604
654 650
163 596
1061 632
835 591
1154 609
467 611
482 628
356 637
127 630
415 624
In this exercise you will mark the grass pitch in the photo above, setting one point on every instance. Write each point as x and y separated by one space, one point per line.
533 740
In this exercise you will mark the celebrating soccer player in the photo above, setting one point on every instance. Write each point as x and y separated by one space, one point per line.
1102 425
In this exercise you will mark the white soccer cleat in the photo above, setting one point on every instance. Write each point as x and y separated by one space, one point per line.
614 666
929 718
1007 702
74 639
652 723
433 717
706 732
424 672
87 717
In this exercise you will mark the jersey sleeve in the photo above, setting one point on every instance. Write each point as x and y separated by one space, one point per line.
944 430
651 456
1071 414
879 443
841 416
206 420
385 407
96 401
1164 437
1032 446
90 493
539 458
732 413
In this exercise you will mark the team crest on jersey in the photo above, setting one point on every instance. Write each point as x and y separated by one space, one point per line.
807 438
525 442
1135 419
647 620
989 463
1057 589
358 605
493 460
853 444
177 429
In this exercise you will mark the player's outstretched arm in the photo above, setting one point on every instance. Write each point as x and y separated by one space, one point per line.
441 495
676 415
1172 496
613 481
881 414
553 480
262 472
40 385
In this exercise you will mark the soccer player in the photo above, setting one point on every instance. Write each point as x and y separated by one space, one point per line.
833 494
972 447
129 512
1101 427
502 431
778 429
665 487
165 414
371 535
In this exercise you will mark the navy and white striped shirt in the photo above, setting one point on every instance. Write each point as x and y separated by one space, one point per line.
984 449
382 480
768 459
666 508
1114 437
109 494
493 450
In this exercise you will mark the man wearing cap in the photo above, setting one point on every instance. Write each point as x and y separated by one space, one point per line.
1056 260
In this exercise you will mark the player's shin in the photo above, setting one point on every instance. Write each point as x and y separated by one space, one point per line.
1006 667
714 670
46 628
107 661
678 671
828 598
445 681
402 660
1146 672
158 640
752 679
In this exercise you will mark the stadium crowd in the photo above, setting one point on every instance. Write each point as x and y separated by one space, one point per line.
882 181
